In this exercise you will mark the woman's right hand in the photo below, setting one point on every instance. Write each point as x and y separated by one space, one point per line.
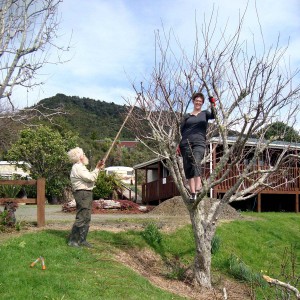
100 164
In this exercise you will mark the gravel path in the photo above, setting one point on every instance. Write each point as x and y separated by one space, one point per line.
55 217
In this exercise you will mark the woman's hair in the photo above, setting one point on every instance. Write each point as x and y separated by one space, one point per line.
195 95
75 154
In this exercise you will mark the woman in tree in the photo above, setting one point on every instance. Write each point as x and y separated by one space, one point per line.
193 143
82 181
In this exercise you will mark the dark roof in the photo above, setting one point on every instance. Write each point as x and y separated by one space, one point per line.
231 140
148 163
253 141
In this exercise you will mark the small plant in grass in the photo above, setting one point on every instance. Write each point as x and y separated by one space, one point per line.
239 270
3 218
215 244
152 234
177 270
18 226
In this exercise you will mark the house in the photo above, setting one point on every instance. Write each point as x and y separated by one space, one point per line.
127 144
10 169
159 185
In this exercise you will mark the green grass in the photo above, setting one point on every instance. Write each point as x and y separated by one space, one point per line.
71 273
247 249
266 245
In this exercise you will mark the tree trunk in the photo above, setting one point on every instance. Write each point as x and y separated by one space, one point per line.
203 234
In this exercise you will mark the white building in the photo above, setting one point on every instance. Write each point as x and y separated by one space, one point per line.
9 169
126 174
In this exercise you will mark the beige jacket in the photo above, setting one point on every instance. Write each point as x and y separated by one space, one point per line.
82 178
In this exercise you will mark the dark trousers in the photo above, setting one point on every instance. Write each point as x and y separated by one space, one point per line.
84 200
191 157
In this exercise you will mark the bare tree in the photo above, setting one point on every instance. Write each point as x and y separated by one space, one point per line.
28 33
253 88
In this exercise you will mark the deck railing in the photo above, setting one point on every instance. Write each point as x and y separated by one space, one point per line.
159 190
286 179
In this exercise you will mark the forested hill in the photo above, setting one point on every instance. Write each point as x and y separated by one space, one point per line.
89 118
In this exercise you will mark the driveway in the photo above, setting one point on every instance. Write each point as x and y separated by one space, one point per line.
55 217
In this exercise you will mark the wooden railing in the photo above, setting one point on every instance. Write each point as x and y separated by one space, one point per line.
159 190
286 180
129 190
39 200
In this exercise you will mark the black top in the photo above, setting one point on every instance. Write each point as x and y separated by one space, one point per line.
193 128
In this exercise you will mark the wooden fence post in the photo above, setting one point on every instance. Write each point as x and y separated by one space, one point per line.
40 199
259 202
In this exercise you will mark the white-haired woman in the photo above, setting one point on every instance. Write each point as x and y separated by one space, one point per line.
82 181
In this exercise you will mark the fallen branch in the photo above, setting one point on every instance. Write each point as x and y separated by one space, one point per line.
282 284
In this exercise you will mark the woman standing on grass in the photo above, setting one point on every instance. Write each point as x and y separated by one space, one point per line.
82 181
193 143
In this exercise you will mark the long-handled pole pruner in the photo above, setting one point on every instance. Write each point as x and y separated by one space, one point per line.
119 132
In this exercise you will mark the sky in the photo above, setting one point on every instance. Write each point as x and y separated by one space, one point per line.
112 41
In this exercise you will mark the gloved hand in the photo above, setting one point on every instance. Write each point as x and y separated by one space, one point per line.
212 100
100 165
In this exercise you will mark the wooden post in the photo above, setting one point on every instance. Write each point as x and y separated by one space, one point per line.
40 199
135 185
214 163
297 202
159 179
259 202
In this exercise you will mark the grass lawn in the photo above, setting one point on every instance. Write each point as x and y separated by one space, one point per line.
70 273
269 244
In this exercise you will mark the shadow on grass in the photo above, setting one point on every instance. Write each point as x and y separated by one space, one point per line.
61 234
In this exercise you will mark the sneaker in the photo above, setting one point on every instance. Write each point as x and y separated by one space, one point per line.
193 198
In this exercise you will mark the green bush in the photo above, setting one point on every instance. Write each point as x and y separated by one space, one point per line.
45 149
152 234
106 185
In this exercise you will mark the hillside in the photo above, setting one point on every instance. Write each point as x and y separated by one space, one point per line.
92 119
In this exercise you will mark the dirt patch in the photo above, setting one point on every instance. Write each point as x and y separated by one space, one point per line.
150 265
176 207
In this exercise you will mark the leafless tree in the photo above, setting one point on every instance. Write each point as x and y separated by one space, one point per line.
253 89
28 35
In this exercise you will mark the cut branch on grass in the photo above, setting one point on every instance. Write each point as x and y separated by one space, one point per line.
284 285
